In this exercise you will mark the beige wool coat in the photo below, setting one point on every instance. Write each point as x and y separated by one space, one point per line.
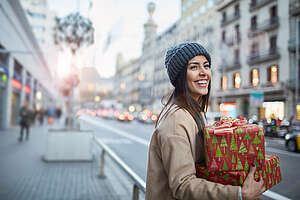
174 149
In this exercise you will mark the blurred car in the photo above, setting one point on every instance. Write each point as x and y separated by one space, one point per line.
292 139
107 113
79 112
147 117
124 116
283 128
91 112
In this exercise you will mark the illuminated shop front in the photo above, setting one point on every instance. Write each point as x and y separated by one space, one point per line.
3 83
16 98
275 108
228 109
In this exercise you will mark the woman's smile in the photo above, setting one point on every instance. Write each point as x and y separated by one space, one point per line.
202 83
198 76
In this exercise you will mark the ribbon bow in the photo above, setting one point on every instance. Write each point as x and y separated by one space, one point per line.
227 125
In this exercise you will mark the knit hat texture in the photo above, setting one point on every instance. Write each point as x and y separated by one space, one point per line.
178 56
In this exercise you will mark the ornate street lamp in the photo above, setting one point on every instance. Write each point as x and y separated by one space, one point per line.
72 32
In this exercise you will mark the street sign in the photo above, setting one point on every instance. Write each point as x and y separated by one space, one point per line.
256 99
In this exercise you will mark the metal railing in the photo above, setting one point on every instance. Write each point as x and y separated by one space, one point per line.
138 185
259 57
256 4
294 7
267 25
230 65
230 18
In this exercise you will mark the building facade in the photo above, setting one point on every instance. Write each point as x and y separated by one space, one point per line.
252 78
126 81
25 74
42 22
293 85
92 88
198 24
252 45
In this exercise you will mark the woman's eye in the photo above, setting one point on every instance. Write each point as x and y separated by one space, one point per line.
206 66
193 67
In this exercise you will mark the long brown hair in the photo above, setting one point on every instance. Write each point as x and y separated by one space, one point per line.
181 96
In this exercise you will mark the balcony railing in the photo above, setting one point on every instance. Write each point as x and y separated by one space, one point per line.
256 57
291 83
294 7
267 25
258 4
230 18
231 65
292 45
221 4
230 41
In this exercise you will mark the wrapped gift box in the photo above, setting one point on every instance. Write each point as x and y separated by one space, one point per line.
233 145
270 174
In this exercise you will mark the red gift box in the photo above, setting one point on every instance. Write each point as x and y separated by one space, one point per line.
233 145
271 174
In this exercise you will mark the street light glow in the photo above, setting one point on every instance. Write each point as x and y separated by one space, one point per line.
122 85
131 108
97 98
91 86
39 95
141 77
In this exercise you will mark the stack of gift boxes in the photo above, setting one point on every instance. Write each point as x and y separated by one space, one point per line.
231 146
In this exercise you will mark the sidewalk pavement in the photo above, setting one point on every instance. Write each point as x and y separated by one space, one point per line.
24 176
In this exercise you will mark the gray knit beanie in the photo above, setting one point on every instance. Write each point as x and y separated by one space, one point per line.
178 56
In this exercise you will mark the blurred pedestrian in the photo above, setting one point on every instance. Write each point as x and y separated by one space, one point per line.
273 125
51 112
26 116
177 142
40 116
291 120
58 113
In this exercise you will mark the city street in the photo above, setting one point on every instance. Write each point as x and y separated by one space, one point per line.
130 141
73 66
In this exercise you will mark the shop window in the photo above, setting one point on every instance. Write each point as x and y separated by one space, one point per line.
228 109
237 80
274 109
273 74
254 77
224 82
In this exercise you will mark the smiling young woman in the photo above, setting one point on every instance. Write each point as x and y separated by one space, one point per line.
177 142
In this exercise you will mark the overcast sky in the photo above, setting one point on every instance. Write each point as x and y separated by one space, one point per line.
124 20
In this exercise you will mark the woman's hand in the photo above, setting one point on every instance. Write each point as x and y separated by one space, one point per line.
252 189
